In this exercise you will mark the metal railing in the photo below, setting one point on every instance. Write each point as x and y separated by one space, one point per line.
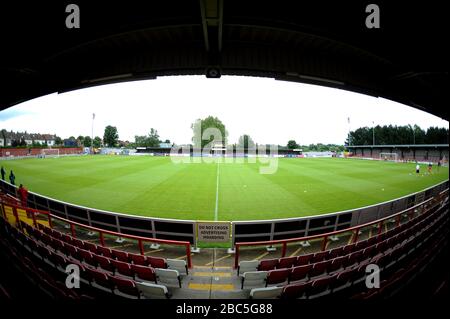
424 207
241 231
7 201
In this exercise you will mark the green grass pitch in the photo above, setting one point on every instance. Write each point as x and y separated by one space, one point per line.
157 187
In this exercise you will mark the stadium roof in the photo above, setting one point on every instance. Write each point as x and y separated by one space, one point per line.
312 42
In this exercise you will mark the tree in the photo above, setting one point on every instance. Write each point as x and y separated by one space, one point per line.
87 141
3 136
111 136
153 138
402 135
97 142
199 127
18 142
80 140
58 140
292 144
246 142
150 140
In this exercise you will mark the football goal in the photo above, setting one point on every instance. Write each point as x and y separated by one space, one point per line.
389 157
50 152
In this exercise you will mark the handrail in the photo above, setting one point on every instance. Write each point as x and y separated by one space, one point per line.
101 232
325 236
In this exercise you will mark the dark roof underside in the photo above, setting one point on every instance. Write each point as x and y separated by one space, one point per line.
326 44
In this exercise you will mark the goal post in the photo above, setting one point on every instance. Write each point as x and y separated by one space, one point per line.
50 152
389 157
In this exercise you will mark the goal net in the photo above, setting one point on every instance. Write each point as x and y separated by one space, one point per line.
50 152
389 157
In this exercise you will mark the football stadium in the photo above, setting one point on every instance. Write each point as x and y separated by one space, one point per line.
326 202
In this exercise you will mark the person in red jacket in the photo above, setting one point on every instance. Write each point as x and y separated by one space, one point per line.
23 195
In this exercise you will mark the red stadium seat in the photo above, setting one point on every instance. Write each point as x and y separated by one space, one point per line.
70 250
124 287
320 268
57 234
368 253
78 243
286 262
157 262
99 279
347 249
122 268
58 245
296 291
139 259
104 251
144 273
303 259
91 247
267 264
67 239
372 241
87 257
277 276
337 263
321 287
336 252
361 244
300 273
353 259
59 261
120 255
343 280
320 256
44 252
104 263
47 240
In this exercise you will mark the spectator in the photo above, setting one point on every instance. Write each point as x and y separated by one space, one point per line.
23 195
12 178
3 173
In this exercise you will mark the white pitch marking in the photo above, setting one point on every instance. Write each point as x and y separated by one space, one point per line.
216 210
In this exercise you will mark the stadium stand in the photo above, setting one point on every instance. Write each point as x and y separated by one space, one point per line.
43 253
417 152
400 254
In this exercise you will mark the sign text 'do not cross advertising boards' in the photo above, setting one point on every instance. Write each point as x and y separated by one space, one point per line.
213 231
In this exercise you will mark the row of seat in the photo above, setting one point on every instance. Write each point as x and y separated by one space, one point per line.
293 261
91 260
37 276
388 262
429 244
328 267
142 284
128 257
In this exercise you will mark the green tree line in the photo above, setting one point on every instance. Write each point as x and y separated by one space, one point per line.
397 135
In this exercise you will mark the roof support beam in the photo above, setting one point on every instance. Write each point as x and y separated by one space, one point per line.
212 23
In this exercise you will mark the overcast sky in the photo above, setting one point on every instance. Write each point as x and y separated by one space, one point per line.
269 111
